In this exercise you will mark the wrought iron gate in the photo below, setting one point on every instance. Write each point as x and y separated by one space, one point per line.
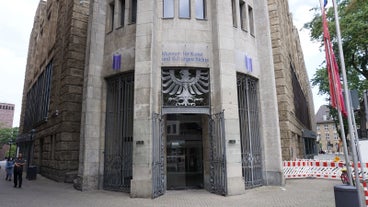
218 179
119 133
249 131
158 157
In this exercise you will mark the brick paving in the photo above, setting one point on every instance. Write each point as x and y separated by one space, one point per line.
43 192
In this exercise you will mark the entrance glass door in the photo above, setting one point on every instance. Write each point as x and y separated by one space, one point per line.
184 152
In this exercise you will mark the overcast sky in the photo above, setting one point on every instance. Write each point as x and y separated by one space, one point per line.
16 24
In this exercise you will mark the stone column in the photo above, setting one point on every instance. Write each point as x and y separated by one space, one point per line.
145 101
273 173
225 96
90 140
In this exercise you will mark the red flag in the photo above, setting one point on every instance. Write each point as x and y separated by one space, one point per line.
337 99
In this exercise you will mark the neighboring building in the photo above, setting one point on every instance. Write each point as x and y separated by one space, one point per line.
53 88
6 115
329 140
156 95
6 121
294 95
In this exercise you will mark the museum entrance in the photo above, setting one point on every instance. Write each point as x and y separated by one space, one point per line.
184 151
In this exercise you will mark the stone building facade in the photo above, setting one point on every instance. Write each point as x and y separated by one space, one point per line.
327 135
154 95
182 127
294 96
6 115
53 88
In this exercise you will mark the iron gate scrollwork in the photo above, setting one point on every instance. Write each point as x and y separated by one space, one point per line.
118 155
218 178
249 131
158 157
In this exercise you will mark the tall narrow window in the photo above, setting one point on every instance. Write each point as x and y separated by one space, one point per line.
200 9
133 11
38 100
250 136
243 15
112 11
168 8
233 8
184 9
251 20
122 12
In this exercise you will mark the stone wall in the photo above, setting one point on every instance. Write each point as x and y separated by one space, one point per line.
286 52
58 36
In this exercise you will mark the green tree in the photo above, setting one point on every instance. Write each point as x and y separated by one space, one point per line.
354 28
8 136
353 18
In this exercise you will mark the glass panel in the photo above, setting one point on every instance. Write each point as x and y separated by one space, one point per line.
233 8
184 152
176 164
133 11
243 15
168 8
251 20
122 12
194 164
184 9
200 9
112 13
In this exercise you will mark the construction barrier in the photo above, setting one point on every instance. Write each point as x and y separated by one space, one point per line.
322 169
318 169
365 192
312 169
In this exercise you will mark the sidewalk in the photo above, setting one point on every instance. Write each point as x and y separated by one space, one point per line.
43 192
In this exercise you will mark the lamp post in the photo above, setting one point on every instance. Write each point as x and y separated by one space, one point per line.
29 153
10 144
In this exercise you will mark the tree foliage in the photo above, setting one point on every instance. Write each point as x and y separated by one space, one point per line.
353 18
8 134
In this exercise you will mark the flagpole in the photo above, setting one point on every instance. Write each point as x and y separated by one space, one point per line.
347 101
335 94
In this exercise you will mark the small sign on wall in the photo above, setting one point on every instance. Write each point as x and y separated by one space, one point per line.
248 63
116 61
177 54
245 62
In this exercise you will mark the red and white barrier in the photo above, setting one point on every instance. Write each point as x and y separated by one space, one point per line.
321 169
312 168
365 192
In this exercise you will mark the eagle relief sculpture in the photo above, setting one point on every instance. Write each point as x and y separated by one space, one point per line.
185 87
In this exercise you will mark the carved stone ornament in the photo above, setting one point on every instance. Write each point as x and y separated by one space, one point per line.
185 87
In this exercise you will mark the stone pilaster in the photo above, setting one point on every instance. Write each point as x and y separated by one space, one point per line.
144 101
90 139
268 102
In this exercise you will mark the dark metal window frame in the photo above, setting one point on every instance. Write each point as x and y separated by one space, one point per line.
251 149
38 100
118 153
300 101
133 11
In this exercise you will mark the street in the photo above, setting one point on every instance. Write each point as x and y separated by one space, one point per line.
43 192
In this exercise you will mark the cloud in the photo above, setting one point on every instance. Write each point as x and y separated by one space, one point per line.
14 39
313 56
